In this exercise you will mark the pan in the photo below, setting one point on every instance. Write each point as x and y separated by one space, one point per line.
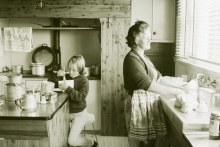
44 55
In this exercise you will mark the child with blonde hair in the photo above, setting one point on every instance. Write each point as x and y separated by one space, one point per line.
77 101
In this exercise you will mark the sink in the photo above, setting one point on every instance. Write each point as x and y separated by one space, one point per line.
188 123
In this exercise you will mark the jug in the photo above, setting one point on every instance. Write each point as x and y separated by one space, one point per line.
14 91
28 102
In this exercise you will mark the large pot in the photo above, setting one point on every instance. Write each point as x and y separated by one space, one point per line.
14 91
38 69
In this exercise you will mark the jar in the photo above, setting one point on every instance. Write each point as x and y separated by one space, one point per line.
38 69
17 69
214 126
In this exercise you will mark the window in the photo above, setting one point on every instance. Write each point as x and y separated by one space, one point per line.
206 34
198 31
180 28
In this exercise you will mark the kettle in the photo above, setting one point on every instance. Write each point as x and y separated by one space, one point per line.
28 102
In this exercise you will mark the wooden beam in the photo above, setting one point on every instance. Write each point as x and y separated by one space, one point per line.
114 49
65 11
66 2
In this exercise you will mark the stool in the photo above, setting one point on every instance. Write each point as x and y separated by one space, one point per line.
91 118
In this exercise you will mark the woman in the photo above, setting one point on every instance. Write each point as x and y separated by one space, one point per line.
139 72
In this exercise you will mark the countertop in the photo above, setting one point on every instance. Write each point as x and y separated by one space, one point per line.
193 125
27 74
43 111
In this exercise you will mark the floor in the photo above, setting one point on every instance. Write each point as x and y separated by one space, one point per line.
110 141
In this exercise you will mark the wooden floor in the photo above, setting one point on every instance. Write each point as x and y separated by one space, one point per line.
109 141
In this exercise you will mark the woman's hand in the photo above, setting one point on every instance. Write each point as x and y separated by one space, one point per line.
63 86
178 91
61 73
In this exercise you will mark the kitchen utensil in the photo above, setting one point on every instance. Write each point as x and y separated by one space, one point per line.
44 55
14 91
38 69
27 103
17 69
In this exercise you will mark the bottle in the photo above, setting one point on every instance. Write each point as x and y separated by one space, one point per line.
214 128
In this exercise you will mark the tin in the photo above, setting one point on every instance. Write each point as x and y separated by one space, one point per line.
214 129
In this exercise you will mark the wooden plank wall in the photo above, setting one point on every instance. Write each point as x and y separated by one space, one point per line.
114 49
66 2
65 9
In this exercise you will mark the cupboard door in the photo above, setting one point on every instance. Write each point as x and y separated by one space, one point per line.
159 14
163 21
141 10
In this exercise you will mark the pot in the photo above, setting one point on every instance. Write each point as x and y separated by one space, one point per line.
37 69
17 69
28 102
15 78
14 91
97 70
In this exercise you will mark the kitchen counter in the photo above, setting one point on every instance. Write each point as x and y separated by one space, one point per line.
194 126
42 112
47 126
27 74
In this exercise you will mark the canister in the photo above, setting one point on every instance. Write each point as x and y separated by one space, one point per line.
214 130
38 69
17 69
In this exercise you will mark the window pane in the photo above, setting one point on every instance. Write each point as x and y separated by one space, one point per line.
206 36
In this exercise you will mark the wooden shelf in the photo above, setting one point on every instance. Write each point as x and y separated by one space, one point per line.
66 28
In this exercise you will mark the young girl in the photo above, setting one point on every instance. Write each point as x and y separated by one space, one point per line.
77 101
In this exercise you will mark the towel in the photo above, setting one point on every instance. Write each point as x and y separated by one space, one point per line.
18 39
147 120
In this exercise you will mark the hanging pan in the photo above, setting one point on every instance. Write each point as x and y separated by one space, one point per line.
44 55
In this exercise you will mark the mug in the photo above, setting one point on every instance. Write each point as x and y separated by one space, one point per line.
28 102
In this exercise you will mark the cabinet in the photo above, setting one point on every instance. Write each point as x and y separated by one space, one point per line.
159 14
175 138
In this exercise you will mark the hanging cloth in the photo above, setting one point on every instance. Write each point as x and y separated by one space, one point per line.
147 119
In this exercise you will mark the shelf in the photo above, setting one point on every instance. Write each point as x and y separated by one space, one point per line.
66 28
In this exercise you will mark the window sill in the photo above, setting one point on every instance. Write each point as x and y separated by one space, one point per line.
201 64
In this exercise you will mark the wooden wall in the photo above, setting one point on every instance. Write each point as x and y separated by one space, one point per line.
65 8
114 49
